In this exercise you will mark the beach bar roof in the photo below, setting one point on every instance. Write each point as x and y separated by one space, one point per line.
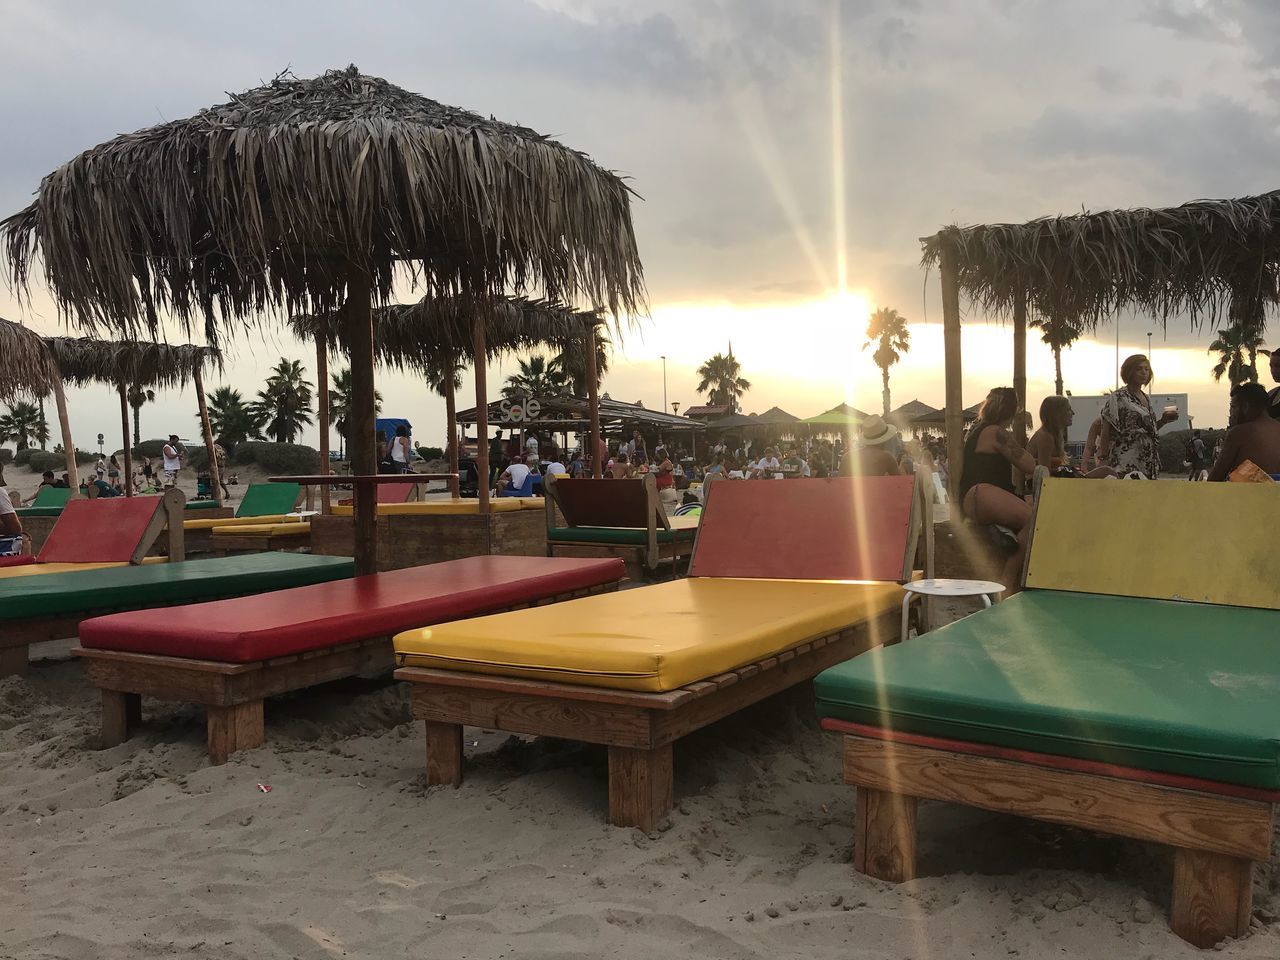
1208 259
306 196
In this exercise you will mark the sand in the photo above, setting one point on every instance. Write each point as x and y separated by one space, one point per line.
144 850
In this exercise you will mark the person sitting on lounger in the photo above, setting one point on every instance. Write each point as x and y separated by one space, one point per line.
11 534
1253 435
516 473
986 480
1048 444
46 480
872 457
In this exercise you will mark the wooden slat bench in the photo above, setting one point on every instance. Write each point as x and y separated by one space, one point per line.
344 630
637 670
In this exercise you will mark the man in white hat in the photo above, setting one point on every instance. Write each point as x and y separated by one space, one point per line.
871 457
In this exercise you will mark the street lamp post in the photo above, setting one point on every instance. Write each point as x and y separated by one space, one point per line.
664 381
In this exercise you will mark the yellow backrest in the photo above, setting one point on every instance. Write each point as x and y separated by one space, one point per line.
1163 539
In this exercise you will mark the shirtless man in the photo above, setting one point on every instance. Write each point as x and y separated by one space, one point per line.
1253 434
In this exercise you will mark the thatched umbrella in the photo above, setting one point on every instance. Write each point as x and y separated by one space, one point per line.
29 368
437 333
81 361
303 196
1207 259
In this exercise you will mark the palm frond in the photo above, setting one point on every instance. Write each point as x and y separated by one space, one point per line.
269 202
83 360
1206 259
27 366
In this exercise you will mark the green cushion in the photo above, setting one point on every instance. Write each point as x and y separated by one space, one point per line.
156 584
1158 685
269 499
202 504
615 535
38 511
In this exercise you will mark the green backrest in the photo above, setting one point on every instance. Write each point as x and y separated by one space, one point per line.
269 499
52 497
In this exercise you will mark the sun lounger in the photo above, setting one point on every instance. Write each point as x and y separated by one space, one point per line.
48 502
639 669
621 518
93 534
263 503
230 655
51 607
432 508
1132 696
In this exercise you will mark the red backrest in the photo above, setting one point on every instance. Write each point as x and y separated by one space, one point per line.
102 530
395 492
844 528
603 503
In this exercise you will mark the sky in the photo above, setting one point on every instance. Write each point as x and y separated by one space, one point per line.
787 157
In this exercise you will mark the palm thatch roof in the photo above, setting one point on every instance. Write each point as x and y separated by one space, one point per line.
274 199
82 361
27 366
1204 259
573 413
418 336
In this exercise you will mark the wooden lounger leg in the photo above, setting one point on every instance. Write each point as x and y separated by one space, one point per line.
13 661
1212 896
444 754
235 727
884 835
640 786
121 713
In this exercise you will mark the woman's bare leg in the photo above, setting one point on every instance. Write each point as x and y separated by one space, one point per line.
988 504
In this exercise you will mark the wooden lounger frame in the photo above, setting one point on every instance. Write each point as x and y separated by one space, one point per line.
233 693
222 546
1216 837
16 636
638 728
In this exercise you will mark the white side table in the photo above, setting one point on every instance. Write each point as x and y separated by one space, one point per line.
918 590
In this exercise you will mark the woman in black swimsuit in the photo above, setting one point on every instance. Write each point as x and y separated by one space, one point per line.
986 481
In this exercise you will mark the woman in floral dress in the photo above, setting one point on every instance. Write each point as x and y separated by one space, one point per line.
1130 437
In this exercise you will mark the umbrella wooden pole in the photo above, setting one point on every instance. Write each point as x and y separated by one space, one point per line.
593 404
124 432
952 370
358 322
482 410
1020 362
322 414
64 424
215 475
451 438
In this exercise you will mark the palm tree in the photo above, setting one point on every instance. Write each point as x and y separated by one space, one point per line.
231 419
1059 334
1237 346
722 382
340 400
571 363
24 425
440 375
888 331
284 404
538 377
138 396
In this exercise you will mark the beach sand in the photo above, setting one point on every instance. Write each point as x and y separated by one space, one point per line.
144 850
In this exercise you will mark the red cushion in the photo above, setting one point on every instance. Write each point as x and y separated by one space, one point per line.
103 530
19 561
285 622
844 528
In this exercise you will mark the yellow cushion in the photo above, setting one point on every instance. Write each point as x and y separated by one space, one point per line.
39 569
438 508
653 638
687 521
292 528
234 522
